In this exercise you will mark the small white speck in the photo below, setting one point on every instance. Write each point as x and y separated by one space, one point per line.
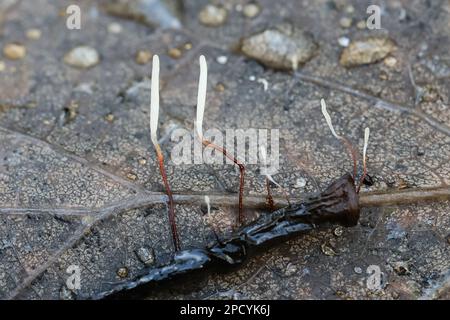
222 59
357 270
114 28
252 78
344 41
300 183
238 8
264 82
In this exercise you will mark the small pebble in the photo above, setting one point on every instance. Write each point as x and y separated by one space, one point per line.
281 47
383 75
339 231
344 41
361 24
357 270
109 117
327 250
145 255
122 272
34 34
14 51
300 183
213 16
251 10
220 87
143 56
252 78
174 53
366 51
222 59
350 9
390 62
188 46
2 66
142 161
345 22
131 176
82 57
114 28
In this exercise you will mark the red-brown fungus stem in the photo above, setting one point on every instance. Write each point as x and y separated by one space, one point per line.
361 180
207 143
269 197
353 155
173 225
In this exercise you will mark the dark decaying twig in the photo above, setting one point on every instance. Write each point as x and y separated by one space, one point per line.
338 204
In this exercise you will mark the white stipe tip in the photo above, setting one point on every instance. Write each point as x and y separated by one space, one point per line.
154 102
366 143
208 204
328 118
201 97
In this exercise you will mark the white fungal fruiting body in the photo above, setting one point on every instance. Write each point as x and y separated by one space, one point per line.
154 102
366 143
201 96
208 204
328 118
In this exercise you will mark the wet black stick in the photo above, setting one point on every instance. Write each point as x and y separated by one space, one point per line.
338 204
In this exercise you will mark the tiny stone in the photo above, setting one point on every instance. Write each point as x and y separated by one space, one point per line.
131 176
109 117
383 75
350 9
361 24
213 16
252 78
14 51
143 56
174 53
122 272
222 59
142 161
238 8
339 231
188 46
300 183
220 87
2 66
251 10
390 62
366 51
82 57
357 270
345 22
282 47
327 250
145 255
344 41
34 34
114 28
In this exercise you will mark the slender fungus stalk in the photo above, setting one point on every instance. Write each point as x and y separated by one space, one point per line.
269 178
201 102
344 140
154 113
366 143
